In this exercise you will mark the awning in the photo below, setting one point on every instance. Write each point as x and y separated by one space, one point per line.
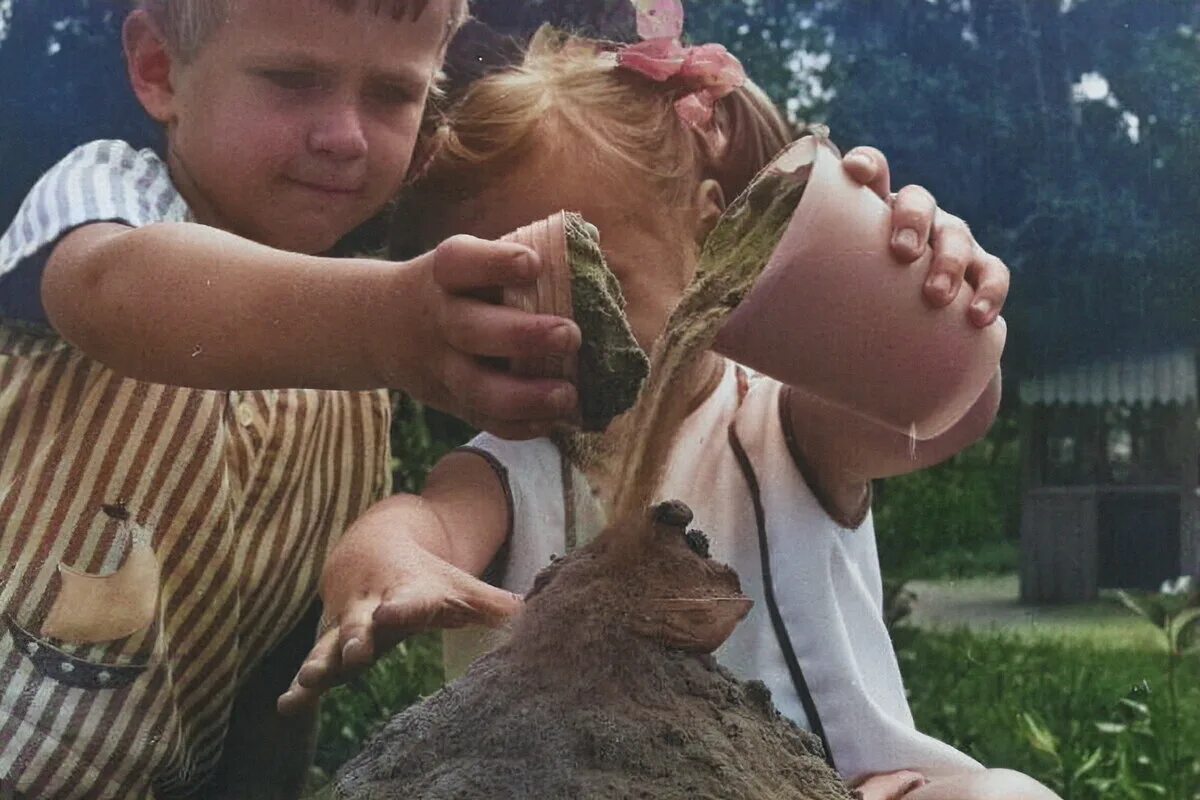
1167 378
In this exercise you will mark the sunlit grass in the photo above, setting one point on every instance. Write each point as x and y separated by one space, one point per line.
991 604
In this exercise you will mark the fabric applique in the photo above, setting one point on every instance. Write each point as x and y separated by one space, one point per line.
94 609
100 608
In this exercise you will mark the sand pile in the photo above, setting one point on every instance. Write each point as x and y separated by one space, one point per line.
586 700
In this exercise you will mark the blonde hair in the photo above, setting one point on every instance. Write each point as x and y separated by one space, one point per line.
188 24
572 88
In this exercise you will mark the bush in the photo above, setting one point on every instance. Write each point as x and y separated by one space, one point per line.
420 436
351 714
957 519
1088 723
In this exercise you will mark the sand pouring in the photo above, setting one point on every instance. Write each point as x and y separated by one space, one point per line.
834 314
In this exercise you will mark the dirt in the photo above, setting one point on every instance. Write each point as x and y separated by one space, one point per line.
612 367
587 700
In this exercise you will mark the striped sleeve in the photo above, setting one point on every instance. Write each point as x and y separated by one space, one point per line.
103 181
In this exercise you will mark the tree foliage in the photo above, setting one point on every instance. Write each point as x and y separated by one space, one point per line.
62 83
1091 198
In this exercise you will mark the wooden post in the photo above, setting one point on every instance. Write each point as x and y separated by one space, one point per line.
1032 443
1188 433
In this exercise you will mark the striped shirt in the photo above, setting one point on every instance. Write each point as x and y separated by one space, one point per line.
105 181
155 542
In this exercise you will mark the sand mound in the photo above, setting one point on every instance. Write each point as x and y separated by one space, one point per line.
604 691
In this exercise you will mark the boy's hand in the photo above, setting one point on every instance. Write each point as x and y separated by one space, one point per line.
375 599
916 220
454 343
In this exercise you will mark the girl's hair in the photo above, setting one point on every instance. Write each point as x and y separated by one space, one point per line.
571 89
188 24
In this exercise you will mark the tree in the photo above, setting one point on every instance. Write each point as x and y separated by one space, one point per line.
62 83
980 101
1090 196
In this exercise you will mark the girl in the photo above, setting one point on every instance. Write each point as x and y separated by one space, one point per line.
779 481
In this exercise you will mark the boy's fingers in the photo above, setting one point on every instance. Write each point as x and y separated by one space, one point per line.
869 167
990 277
491 396
464 264
953 249
482 329
312 679
913 213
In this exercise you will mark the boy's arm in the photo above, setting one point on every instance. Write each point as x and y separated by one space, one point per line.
191 305
409 565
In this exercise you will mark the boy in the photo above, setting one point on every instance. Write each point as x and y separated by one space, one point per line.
158 543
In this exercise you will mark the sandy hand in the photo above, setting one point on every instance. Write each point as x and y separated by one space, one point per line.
372 603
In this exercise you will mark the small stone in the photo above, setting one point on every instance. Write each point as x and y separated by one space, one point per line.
103 677
67 667
698 542
673 512
31 648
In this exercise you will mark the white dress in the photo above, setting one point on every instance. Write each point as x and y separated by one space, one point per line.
816 635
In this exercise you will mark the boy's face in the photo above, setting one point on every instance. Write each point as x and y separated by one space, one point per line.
649 247
296 122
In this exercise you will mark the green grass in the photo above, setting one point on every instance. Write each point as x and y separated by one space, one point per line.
1051 707
991 604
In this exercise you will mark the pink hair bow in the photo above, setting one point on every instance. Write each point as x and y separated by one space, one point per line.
709 70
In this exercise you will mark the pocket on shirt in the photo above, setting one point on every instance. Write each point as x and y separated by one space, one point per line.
60 665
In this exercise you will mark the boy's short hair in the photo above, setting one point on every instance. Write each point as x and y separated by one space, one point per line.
188 24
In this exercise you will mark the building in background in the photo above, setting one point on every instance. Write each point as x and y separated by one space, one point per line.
1111 490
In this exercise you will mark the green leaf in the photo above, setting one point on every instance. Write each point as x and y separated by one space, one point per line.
1039 735
1187 630
1146 606
1138 709
1089 764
